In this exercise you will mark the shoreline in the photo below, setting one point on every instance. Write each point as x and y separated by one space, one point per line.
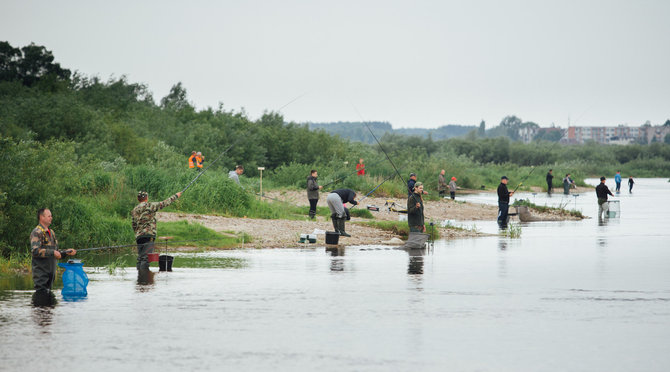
284 233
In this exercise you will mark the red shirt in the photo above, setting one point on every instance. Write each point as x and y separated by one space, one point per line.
361 169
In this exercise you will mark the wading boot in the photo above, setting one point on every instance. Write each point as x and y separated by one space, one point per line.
340 223
312 214
333 217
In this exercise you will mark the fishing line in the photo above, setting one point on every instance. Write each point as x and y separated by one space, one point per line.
293 100
210 164
349 174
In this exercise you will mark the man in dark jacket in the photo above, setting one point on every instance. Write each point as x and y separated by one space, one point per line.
336 200
503 202
601 192
550 179
415 217
313 192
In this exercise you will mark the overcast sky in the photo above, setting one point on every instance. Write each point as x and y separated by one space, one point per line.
411 63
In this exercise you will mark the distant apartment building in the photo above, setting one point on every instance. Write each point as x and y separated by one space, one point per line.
617 135
526 134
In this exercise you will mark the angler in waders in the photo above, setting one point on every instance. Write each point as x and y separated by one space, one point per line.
313 192
503 202
601 192
415 217
336 200
44 252
144 225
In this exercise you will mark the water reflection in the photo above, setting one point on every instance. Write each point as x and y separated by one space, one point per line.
145 280
336 264
415 265
43 303
44 299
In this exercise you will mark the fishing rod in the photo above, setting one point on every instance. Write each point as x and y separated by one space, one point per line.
134 245
384 151
373 190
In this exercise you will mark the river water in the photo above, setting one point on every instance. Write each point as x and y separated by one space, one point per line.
566 296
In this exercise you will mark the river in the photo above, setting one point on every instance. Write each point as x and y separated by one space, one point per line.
590 295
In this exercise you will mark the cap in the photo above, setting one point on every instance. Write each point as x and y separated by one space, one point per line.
602 178
142 195
412 174
504 178
418 184
453 178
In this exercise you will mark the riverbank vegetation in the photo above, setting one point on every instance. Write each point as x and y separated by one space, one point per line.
83 147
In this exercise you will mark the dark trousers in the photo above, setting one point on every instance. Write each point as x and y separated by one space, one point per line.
549 185
416 229
312 207
44 273
441 192
453 194
145 245
618 186
503 209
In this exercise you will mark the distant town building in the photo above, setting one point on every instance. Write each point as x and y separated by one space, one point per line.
617 135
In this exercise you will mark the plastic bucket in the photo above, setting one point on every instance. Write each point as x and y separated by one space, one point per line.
165 263
153 257
332 237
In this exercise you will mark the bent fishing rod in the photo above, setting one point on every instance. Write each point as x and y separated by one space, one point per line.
384 151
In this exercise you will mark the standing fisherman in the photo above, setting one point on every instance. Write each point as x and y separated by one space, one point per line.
441 184
601 192
313 192
360 167
617 180
336 200
144 224
550 179
45 253
452 188
630 184
415 217
503 202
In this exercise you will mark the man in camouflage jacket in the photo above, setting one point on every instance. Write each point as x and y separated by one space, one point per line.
144 224
44 251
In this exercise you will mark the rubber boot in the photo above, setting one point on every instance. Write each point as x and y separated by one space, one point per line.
333 217
312 214
340 223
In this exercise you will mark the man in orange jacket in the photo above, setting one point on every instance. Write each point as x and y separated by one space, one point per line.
191 160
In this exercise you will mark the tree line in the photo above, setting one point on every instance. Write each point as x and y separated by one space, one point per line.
84 146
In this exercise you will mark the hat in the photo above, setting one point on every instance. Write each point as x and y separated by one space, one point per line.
418 184
142 195
602 178
412 174
453 178
199 153
504 178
